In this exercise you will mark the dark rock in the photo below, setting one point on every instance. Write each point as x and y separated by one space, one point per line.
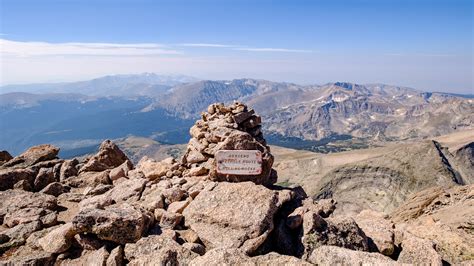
5 157
10 177
340 231
108 157
44 177
55 189
68 169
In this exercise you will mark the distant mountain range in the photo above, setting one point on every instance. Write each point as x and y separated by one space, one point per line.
146 84
77 116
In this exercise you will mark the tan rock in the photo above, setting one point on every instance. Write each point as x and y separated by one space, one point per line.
195 247
89 179
332 255
173 194
189 236
198 171
378 229
108 157
27 255
116 257
120 171
223 256
194 156
9 177
33 155
121 224
58 240
152 198
179 206
96 257
44 177
157 250
233 215
153 169
55 189
418 251
68 169
339 231
168 220
443 216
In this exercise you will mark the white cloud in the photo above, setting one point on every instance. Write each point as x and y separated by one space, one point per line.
244 48
209 45
31 62
26 49
420 55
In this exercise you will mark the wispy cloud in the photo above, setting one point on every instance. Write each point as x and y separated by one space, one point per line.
244 48
420 54
209 45
25 49
284 50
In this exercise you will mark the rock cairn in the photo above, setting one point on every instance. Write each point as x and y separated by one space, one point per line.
232 127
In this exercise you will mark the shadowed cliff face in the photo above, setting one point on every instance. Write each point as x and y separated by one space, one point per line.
464 162
382 183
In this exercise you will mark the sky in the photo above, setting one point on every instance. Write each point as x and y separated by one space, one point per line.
423 44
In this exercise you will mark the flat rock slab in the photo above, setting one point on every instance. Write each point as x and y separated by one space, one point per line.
233 215
120 224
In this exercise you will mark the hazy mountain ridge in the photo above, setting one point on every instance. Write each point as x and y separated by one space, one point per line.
373 111
149 84
293 115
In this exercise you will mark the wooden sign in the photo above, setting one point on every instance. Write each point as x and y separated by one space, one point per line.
239 162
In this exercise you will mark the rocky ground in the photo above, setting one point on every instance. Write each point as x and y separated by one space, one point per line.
103 210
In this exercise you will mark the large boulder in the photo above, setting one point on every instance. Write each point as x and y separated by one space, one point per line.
108 157
233 215
44 177
158 250
88 257
229 256
332 255
233 127
338 231
68 169
130 190
379 230
5 157
33 155
153 169
443 216
10 177
14 201
120 224
23 213
59 239
418 251
89 179
27 255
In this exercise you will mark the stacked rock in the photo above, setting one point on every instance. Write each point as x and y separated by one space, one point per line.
232 127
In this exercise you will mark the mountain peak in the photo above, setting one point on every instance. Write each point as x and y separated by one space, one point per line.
347 85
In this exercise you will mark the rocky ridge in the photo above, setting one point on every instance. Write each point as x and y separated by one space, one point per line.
103 210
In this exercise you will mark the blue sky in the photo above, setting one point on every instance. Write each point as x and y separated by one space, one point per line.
423 44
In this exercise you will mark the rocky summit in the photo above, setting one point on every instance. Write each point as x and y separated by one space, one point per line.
103 210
